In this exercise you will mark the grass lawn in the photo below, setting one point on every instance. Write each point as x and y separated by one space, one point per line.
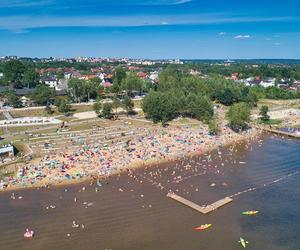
4 142
42 112
290 103
32 113
26 128
81 108
271 122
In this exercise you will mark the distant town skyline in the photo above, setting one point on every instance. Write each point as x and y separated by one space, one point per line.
151 29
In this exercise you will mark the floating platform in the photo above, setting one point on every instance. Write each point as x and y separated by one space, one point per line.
202 209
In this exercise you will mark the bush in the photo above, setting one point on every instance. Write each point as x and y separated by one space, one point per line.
198 106
264 113
213 127
97 107
64 107
128 104
107 111
238 116
48 110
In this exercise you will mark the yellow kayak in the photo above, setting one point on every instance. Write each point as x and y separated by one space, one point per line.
252 212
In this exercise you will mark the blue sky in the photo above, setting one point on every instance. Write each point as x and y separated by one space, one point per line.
192 29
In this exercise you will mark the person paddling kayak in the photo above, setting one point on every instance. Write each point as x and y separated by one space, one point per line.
28 233
203 227
243 242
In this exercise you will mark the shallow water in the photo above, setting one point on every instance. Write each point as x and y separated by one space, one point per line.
133 212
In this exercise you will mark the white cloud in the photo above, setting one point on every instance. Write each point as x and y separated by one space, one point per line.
23 3
62 4
276 44
222 33
182 1
30 22
166 2
268 39
242 37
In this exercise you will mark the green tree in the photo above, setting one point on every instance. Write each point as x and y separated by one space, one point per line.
132 82
128 105
199 107
264 113
159 107
30 78
169 77
89 88
115 88
64 107
107 111
226 96
60 74
119 75
11 98
97 107
13 72
214 127
49 110
76 87
116 104
238 116
42 94
249 96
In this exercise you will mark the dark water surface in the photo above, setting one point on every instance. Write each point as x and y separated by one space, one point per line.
133 212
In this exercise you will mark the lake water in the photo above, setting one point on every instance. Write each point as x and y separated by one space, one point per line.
133 212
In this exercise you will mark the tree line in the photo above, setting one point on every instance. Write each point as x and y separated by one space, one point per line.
19 74
282 71
181 94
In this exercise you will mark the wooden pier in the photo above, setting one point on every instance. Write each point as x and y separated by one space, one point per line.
202 209
279 132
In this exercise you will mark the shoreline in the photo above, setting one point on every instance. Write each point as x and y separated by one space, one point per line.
251 134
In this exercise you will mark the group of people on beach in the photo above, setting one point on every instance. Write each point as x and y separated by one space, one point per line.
149 145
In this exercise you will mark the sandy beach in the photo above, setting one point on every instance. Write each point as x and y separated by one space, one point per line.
150 145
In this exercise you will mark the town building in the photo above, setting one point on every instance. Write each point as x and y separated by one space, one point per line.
51 82
7 151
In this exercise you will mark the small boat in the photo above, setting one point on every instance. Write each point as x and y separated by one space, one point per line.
203 227
28 233
243 242
252 212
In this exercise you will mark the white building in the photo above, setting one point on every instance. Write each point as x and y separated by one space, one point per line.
101 76
268 83
153 76
51 82
62 84
7 151
67 75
